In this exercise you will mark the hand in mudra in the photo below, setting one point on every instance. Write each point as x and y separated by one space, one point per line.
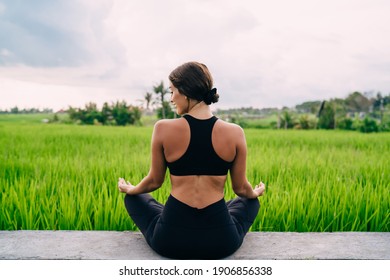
124 186
259 189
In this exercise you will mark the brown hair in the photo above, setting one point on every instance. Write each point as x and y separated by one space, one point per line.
193 79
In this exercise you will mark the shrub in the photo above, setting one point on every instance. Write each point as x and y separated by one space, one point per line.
385 127
307 122
368 125
118 114
287 120
345 123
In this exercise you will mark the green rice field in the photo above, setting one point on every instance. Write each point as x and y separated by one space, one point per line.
64 177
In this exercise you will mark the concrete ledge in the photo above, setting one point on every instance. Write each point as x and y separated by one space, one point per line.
113 245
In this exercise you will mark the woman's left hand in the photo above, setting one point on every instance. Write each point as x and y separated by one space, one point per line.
124 186
259 189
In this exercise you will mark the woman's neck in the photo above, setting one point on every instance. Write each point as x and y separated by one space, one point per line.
200 111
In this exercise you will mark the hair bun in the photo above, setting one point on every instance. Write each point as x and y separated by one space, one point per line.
211 96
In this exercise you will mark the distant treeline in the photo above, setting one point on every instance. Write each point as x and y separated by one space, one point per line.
366 112
119 113
16 110
356 102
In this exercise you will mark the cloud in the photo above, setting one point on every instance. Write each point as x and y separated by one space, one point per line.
46 33
277 53
37 37
5 53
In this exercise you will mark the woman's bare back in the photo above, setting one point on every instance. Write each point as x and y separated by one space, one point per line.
198 191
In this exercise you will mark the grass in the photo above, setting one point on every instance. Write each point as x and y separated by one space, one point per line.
57 177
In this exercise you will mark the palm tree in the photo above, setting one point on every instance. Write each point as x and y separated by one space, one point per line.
161 90
148 98
287 119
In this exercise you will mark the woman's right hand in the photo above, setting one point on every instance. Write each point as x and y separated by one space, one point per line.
124 186
259 189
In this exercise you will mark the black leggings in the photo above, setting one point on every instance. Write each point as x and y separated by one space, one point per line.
179 231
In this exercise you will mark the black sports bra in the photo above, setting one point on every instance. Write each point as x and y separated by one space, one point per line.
200 157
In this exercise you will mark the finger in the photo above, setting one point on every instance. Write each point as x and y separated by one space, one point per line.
261 191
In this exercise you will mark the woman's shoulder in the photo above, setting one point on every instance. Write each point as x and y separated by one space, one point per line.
168 129
230 127
231 132
168 124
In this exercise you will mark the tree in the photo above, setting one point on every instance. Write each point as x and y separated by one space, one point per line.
15 110
148 99
91 113
356 102
308 107
326 118
379 105
161 91
286 119
120 113
74 113
106 114
169 113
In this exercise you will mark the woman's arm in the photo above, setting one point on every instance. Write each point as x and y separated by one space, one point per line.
240 183
156 175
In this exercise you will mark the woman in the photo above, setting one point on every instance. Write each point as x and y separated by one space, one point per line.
199 150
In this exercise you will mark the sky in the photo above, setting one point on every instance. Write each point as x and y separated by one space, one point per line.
61 53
